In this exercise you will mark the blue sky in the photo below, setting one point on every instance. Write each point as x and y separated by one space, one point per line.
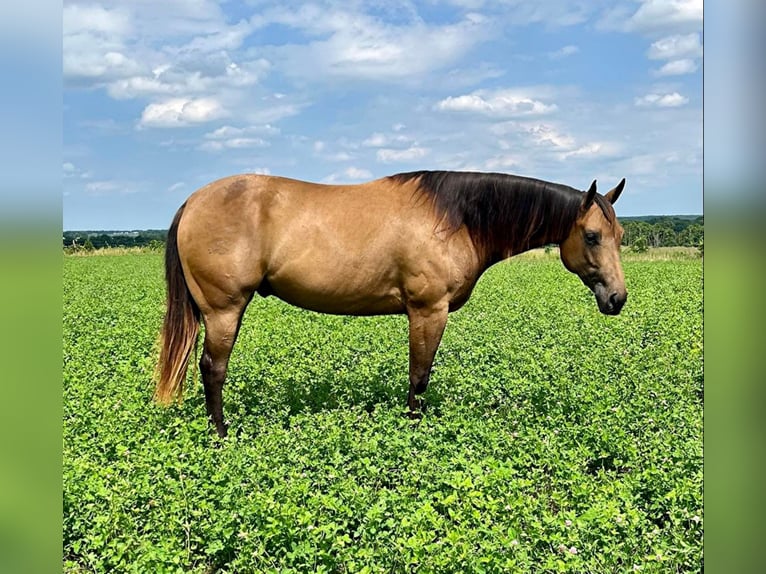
161 98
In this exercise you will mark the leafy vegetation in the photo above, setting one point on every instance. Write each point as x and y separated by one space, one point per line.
556 439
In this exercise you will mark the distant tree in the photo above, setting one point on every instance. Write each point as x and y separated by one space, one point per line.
640 245
679 224
629 232
88 245
155 245
691 236
102 240
662 234
634 230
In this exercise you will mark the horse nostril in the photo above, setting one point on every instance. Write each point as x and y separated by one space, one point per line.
616 302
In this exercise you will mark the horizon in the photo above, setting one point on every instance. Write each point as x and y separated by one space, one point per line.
137 229
161 99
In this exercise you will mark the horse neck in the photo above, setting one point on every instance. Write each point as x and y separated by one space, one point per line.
551 225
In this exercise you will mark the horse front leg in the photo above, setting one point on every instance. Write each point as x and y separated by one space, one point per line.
426 328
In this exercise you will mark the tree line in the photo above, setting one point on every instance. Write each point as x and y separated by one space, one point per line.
662 231
640 233
91 240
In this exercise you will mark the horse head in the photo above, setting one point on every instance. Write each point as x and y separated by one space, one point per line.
592 249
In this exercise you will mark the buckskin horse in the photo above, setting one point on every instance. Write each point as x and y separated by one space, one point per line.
413 243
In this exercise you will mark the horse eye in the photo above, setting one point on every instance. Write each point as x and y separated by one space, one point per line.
591 238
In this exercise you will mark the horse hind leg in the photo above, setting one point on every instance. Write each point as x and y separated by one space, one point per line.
221 329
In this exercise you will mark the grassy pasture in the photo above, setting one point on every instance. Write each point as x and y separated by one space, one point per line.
556 439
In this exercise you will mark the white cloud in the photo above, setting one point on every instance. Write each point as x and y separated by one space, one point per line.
502 103
166 53
593 149
375 140
230 137
228 38
569 50
644 164
93 18
101 186
676 47
144 86
348 175
204 75
106 187
94 42
176 186
654 14
72 171
173 19
551 14
90 57
677 68
178 112
260 171
671 100
548 135
268 111
551 142
502 162
357 173
227 132
653 17
392 155
381 140
543 134
233 143
352 44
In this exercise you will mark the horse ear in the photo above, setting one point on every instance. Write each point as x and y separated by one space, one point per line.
615 192
589 196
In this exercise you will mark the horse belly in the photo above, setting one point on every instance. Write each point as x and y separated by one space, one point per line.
338 288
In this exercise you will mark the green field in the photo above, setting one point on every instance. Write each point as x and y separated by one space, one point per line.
556 439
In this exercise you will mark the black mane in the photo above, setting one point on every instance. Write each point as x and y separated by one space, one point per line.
504 214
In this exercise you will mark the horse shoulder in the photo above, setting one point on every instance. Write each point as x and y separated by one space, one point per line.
443 267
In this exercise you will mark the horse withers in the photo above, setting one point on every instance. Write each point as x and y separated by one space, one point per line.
413 243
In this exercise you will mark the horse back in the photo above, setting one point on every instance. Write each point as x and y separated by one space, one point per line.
351 249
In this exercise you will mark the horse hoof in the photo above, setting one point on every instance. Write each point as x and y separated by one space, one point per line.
218 431
414 415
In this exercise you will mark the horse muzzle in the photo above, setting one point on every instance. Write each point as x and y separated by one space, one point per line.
610 302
